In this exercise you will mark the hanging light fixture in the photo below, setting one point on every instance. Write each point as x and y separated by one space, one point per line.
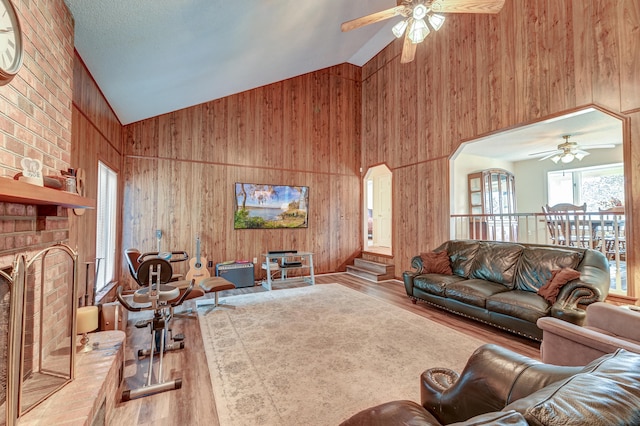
416 26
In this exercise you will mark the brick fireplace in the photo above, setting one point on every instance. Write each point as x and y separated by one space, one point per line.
27 230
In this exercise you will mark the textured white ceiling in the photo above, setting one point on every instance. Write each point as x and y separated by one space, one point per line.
150 57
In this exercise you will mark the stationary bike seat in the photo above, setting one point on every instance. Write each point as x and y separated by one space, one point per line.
165 293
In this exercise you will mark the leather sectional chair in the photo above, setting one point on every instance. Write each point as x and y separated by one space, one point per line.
498 282
500 387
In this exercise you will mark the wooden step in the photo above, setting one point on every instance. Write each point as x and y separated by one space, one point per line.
368 274
380 268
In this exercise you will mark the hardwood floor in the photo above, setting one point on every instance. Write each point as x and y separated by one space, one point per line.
194 404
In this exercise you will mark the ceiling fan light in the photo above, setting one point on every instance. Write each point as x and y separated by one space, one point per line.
436 21
420 11
556 158
418 31
567 158
398 29
581 155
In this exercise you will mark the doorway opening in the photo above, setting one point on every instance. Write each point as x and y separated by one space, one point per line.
378 208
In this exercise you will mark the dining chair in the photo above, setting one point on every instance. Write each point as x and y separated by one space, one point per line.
569 225
611 235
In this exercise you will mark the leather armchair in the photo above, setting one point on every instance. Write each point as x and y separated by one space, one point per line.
500 387
607 328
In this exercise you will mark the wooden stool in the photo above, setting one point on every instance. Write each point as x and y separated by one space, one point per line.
214 285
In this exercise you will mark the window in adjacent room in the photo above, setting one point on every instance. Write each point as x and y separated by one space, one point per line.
106 225
601 187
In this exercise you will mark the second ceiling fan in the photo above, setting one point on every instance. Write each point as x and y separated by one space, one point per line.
414 27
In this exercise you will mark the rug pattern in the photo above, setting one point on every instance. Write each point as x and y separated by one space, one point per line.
316 355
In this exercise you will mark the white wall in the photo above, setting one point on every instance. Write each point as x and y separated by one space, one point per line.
461 167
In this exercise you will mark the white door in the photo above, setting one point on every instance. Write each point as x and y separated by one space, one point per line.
382 210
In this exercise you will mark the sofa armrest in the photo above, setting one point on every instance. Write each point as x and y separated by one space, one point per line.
564 343
615 320
492 378
392 413
408 277
593 286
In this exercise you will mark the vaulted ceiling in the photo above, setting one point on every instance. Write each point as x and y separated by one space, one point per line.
150 57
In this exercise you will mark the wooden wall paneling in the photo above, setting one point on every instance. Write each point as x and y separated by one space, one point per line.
426 89
605 56
559 57
506 74
369 121
409 192
464 93
629 17
294 92
320 99
582 23
405 142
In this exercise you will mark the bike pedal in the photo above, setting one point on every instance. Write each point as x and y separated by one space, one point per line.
142 324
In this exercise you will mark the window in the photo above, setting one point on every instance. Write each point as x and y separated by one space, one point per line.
600 187
106 225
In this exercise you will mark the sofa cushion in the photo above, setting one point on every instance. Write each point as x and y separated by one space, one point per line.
436 263
606 392
473 292
536 263
495 418
559 278
461 253
435 283
521 304
496 262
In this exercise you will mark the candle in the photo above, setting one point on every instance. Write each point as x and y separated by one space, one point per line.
87 319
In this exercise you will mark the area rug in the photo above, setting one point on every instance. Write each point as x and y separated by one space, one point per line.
316 355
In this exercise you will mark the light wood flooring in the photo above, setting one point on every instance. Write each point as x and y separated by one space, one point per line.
194 404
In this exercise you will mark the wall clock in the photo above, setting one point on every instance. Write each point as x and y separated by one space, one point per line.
11 48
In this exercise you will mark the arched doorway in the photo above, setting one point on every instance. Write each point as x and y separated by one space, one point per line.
377 224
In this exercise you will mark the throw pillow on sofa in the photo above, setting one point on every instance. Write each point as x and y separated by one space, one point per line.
559 278
436 263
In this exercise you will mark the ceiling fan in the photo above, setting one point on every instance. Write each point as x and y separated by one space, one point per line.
568 151
414 26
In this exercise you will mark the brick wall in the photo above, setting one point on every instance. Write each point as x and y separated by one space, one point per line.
35 108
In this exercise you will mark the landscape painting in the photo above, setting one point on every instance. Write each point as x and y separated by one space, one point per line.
270 206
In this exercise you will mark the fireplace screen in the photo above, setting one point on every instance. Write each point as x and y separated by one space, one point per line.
40 353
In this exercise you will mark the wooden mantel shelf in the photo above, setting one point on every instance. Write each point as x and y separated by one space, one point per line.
14 191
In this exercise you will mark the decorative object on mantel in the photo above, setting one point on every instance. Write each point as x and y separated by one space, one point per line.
80 176
31 171
86 322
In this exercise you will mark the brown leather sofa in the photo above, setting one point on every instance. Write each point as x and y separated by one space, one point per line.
497 283
500 387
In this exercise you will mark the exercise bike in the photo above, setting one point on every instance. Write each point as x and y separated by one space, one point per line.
157 295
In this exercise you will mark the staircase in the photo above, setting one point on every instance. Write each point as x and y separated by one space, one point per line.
370 270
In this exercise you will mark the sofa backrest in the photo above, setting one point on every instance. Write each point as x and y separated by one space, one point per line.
536 263
496 262
461 253
523 266
605 392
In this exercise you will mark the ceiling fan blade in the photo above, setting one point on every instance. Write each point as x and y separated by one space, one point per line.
610 145
408 50
373 18
550 155
467 6
551 151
